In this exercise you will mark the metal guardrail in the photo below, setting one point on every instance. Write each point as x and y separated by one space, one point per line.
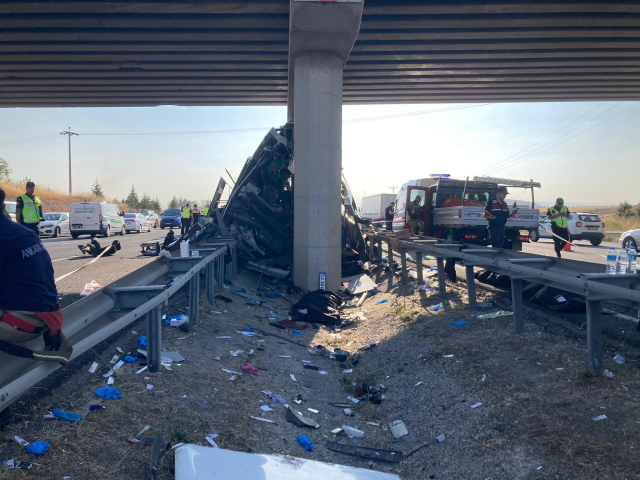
582 278
141 293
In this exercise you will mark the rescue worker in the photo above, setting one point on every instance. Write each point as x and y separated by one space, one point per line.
497 213
558 215
28 296
29 209
414 213
187 217
205 212
388 215
195 211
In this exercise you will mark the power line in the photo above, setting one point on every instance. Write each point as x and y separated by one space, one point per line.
551 134
579 133
9 143
493 168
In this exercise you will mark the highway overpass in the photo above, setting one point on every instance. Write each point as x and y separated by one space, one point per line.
235 52
315 56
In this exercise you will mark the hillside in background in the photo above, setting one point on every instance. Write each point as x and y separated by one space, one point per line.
53 200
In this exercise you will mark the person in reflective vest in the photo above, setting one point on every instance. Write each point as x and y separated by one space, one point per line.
195 211
558 215
497 214
29 307
187 217
205 211
29 209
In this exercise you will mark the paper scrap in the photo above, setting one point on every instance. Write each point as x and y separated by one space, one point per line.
599 417
108 374
265 408
293 377
418 384
476 405
93 368
354 400
262 419
110 381
322 372
119 349
149 386
20 441
312 410
348 370
115 359
118 365
209 438
142 369
233 378
236 353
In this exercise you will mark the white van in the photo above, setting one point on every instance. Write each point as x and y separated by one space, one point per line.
11 209
95 218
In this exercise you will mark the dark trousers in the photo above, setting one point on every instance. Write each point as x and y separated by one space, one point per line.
498 236
186 225
196 216
561 232
33 227
389 225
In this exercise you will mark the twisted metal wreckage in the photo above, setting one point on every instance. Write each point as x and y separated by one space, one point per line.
259 212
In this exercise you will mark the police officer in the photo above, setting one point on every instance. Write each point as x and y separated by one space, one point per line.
205 211
558 215
28 296
414 211
29 209
187 217
497 213
388 215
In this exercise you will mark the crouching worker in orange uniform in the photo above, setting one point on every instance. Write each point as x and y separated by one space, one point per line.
28 296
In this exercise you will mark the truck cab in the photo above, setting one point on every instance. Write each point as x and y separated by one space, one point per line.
452 209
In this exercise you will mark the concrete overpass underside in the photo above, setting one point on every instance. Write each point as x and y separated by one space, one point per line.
60 53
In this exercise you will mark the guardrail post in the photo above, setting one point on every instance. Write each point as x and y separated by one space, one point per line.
389 255
471 287
594 334
154 338
220 271
518 311
209 282
194 296
372 253
419 267
403 262
442 284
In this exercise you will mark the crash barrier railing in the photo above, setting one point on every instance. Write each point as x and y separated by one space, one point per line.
105 312
582 278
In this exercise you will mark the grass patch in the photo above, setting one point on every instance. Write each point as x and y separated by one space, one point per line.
404 312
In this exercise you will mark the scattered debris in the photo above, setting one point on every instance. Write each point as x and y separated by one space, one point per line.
70 416
89 288
398 429
305 442
354 400
599 417
353 432
209 438
440 438
418 384
619 359
495 315
262 419
293 377
312 410
348 412
383 301
247 367
341 355
607 373
38 448
476 405
266 408
93 367
300 420
458 323
373 453
20 441
108 393
358 284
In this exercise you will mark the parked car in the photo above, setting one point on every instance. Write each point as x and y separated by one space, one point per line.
11 208
630 239
582 226
95 218
170 218
136 222
151 216
55 224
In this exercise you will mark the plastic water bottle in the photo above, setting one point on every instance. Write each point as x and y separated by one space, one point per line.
623 262
612 259
633 260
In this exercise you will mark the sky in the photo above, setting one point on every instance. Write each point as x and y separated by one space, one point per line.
539 141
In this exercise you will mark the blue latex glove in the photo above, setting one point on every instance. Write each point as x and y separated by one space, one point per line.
38 448
130 359
297 332
71 416
109 393
143 341
305 441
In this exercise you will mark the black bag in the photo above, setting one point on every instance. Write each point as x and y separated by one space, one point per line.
321 306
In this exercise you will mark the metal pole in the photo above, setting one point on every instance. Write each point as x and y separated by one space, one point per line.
403 262
389 255
594 334
471 287
419 267
518 312
70 189
442 284
154 338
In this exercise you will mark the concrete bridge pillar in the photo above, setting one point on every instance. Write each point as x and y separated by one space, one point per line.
322 34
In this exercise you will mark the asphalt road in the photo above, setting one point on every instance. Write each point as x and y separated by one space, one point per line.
66 257
584 251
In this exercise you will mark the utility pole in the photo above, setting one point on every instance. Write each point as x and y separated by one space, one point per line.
393 189
69 133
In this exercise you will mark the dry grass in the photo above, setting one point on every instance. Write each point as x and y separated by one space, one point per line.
615 223
52 200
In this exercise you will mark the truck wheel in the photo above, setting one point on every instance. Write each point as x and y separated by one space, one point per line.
596 242
162 227
74 236
534 236
107 232
122 232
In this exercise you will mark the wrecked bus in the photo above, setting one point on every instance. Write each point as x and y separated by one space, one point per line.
445 216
